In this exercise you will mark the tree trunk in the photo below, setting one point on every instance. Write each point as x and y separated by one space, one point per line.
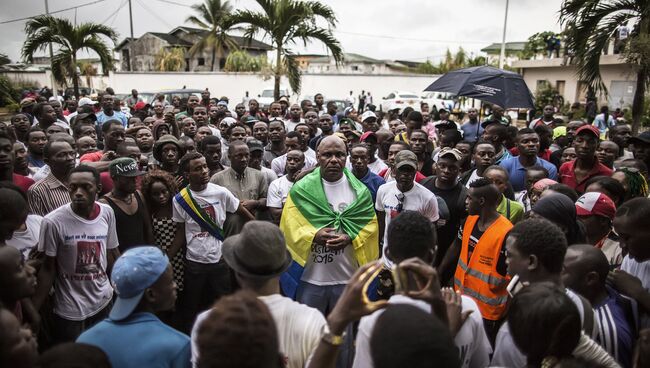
637 101
214 56
75 77
278 73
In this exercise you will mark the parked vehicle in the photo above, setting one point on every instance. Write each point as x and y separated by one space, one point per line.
265 99
169 94
340 105
438 99
400 100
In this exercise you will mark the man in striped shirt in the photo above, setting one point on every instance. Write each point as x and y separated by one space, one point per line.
585 271
51 192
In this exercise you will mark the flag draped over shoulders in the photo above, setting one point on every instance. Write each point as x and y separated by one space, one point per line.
306 211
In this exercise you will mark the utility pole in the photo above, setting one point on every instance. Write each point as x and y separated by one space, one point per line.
502 57
131 21
52 81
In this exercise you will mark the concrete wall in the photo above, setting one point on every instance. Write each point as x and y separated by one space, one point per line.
235 85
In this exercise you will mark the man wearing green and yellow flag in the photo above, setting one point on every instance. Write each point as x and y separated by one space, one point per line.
330 228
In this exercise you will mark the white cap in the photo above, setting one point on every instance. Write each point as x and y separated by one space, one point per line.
228 120
368 114
85 101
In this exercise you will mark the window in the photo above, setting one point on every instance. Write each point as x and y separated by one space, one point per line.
201 61
559 85
355 68
187 65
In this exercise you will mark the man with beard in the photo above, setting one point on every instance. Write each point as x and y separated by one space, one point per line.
621 134
576 173
254 110
144 140
207 276
279 188
276 146
403 193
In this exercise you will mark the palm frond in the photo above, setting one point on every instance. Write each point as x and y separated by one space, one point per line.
324 36
292 71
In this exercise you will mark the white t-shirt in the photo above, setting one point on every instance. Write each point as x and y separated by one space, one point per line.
299 329
278 192
471 340
278 164
377 166
325 266
81 287
27 240
506 353
290 125
310 153
472 178
419 199
215 200
640 270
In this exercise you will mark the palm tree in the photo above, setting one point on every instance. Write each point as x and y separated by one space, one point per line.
590 24
172 60
68 39
214 18
288 22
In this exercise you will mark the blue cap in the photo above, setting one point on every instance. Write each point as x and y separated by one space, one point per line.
136 270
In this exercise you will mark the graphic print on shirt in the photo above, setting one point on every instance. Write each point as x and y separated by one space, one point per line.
209 209
321 253
88 266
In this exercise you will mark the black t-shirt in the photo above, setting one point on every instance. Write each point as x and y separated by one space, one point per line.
502 267
455 200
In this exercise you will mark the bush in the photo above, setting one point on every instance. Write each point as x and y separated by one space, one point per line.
9 94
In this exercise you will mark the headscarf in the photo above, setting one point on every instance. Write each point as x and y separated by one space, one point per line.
560 210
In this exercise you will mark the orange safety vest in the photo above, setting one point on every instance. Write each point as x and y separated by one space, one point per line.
478 277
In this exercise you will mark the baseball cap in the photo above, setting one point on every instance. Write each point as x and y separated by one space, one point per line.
594 203
559 132
85 101
28 101
255 145
284 99
590 129
368 115
448 151
124 166
139 106
367 135
85 115
251 119
406 157
641 138
222 103
137 269
228 121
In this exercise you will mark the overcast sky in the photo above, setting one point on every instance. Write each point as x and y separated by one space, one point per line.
408 29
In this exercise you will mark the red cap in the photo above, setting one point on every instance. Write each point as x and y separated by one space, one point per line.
139 106
588 128
365 136
597 204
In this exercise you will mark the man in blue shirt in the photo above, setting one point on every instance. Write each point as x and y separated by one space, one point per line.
359 158
107 112
528 146
472 129
132 335
585 272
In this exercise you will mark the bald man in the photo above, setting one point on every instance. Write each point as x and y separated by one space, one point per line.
585 272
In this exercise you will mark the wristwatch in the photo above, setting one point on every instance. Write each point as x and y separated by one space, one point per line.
330 338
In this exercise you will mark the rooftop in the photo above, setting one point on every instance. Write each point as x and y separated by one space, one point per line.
349 58
510 46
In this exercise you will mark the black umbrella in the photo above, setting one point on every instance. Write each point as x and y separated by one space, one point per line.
504 88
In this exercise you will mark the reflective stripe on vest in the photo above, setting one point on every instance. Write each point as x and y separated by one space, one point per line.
492 280
498 301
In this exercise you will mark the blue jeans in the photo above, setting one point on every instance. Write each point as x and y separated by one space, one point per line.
324 299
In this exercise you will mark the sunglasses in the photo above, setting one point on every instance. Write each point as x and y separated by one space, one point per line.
400 202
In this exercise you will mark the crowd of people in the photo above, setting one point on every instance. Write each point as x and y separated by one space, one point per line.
186 233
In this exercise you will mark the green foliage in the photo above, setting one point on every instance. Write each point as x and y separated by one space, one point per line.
537 44
242 61
9 94
67 39
427 68
645 120
288 22
214 17
170 60
544 95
